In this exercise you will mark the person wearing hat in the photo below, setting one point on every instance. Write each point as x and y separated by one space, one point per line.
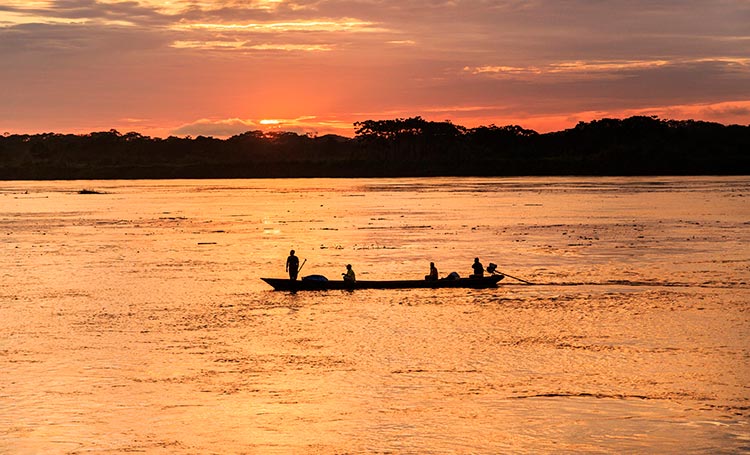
292 265
349 276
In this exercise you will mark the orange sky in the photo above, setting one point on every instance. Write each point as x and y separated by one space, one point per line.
221 67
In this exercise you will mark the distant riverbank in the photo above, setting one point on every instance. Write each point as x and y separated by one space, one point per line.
410 147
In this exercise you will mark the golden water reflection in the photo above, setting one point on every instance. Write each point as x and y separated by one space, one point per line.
135 321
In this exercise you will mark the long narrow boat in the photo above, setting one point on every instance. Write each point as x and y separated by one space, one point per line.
283 284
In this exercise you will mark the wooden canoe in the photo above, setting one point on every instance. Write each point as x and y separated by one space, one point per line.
284 284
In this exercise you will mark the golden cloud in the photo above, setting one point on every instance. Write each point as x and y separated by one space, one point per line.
597 66
244 45
342 25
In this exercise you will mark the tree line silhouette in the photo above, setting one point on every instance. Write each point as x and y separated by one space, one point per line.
390 148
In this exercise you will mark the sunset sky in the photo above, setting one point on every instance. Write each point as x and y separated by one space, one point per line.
223 67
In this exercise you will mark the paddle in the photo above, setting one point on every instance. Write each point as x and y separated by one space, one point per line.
300 267
493 270
511 276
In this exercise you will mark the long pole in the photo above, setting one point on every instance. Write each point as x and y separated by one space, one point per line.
303 264
511 276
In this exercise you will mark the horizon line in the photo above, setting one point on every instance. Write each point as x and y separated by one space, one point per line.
277 128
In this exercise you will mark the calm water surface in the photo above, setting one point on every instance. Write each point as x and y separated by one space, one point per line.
135 320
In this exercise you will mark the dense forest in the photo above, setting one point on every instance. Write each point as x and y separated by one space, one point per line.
398 147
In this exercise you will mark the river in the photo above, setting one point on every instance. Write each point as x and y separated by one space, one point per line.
134 320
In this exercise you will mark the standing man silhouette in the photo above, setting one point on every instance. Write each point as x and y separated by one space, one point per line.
292 265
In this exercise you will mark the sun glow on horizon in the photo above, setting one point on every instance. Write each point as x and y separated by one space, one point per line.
224 67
